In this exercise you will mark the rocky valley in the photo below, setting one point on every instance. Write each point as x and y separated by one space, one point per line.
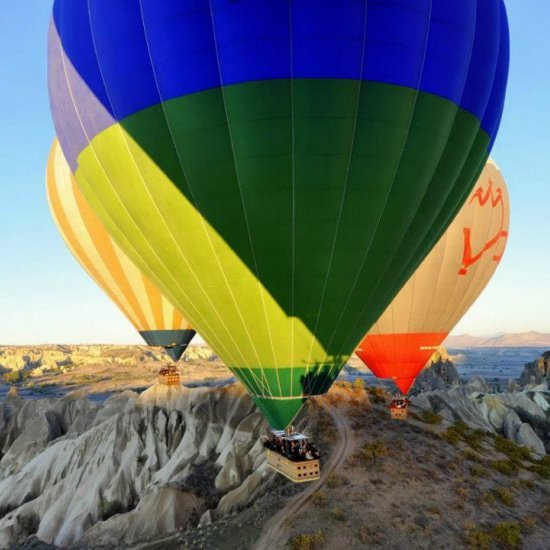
184 467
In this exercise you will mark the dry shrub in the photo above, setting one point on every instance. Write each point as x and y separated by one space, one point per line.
429 417
335 480
487 498
306 541
542 467
319 498
513 451
378 394
507 534
506 467
505 495
478 540
477 470
373 450
528 524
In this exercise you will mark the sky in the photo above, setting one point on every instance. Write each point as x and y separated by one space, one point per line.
46 297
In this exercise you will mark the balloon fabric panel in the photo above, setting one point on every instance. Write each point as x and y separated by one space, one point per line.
445 285
141 302
278 169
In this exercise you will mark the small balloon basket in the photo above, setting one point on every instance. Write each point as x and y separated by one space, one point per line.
290 454
399 408
169 376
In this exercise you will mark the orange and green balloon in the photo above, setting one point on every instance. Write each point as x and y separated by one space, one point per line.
444 286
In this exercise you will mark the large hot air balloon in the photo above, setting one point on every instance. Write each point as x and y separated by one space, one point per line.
278 169
156 319
443 288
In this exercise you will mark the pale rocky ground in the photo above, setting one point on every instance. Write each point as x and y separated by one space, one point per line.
100 370
145 470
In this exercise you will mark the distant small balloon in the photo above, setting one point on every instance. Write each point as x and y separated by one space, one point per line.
151 313
444 287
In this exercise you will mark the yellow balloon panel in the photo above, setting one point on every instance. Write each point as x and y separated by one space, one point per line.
135 295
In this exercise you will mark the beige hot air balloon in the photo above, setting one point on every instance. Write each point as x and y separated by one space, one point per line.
156 319
445 285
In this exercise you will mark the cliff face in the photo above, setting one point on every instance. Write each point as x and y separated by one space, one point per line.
537 372
69 468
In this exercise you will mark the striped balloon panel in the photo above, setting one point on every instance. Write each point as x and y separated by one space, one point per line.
140 301
279 169
445 285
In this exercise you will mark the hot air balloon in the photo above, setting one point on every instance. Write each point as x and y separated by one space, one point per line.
156 319
278 169
444 287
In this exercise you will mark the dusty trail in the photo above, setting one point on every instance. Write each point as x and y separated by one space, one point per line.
273 532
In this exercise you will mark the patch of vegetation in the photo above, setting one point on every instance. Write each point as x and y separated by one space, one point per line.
378 394
319 498
542 467
487 498
335 480
460 432
450 436
506 467
528 524
513 451
359 385
507 533
478 540
111 507
505 495
430 417
338 514
472 456
373 450
306 541
474 438
527 484
477 470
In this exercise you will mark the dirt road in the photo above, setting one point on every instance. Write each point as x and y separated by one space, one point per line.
273 535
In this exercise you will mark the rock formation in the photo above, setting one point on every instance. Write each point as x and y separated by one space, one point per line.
439 374
520 416
35 361
72 471
536 372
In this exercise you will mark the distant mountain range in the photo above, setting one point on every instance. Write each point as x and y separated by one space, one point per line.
530 339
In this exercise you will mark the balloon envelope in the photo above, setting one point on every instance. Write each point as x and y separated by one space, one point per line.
443 288
156 319
278 169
